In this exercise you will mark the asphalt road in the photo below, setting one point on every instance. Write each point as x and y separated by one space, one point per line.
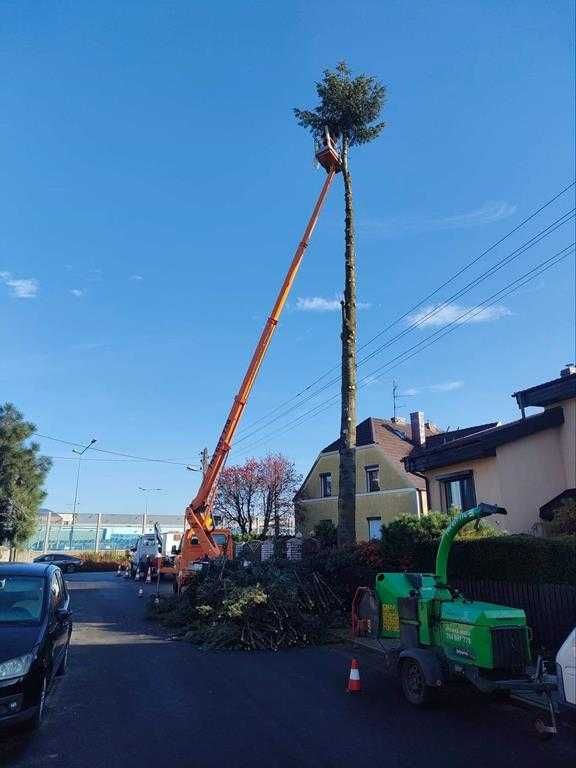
133 697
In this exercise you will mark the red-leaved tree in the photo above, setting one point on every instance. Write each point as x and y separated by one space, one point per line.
280 482
257 495
237 495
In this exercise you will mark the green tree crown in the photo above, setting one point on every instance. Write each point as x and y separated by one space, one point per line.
22 475
349 106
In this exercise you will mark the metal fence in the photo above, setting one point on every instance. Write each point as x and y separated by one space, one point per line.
550 608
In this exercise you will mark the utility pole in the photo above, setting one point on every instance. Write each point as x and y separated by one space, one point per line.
146 491
80 454
203 468
47 532
98 524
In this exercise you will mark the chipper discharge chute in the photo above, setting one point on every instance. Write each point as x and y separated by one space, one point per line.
438 636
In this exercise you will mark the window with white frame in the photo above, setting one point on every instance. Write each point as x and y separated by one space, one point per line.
326 485
374 528
372 478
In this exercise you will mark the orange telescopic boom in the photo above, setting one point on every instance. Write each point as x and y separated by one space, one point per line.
199 537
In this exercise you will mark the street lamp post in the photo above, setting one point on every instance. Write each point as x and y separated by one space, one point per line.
146 492
80 454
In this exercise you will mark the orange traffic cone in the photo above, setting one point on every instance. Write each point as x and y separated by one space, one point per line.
354 684
149 576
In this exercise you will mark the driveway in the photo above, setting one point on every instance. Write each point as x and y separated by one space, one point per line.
133 697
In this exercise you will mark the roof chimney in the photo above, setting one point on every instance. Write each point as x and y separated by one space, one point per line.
568 370
418 429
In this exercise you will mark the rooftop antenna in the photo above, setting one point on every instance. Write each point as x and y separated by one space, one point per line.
395 396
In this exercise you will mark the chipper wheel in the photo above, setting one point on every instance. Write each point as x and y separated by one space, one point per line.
414 685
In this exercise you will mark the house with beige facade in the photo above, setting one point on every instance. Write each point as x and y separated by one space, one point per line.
385 489
527 466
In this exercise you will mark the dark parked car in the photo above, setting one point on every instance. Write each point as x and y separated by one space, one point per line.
35 629
67 563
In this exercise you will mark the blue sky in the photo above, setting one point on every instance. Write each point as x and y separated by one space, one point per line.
155 184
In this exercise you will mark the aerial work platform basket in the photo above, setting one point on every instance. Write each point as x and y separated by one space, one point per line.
327 153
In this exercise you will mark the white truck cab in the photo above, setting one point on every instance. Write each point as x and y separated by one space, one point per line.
143 552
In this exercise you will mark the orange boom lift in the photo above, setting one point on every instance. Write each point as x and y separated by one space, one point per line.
201 539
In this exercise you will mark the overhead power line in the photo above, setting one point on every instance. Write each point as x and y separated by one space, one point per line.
115 453
420 322
266 417
413 308
418 348
92 458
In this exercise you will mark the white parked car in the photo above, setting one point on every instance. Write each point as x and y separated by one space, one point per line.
566 671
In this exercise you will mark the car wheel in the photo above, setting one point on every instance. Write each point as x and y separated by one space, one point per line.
414 685
36 721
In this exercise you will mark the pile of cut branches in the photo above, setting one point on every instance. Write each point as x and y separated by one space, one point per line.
268 606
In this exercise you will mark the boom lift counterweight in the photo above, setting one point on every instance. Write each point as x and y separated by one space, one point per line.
199 539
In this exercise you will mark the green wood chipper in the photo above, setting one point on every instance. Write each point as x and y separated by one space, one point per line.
436 636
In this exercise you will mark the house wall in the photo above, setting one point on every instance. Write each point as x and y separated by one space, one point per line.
523 476
486 482
531 473
396 497
568 441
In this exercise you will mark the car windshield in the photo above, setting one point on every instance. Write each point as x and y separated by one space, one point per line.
21 599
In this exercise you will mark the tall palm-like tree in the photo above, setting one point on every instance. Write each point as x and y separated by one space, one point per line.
350 108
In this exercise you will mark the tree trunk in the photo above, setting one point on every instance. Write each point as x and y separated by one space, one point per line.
268 508
347 484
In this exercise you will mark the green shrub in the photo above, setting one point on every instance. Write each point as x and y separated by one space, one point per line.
407 530
564 521
326 534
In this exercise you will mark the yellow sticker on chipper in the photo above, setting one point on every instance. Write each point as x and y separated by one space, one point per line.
390 618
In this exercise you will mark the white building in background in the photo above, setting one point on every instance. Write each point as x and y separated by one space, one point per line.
59 532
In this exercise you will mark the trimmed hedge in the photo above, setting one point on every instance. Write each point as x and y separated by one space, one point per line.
102 561
521 558
518 558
